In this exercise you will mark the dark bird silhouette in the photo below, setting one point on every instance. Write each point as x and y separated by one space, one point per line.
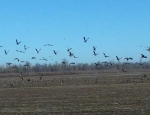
48 45
105 55
33 58
69 49
123 70
20 51
8 63
94 48
118 58
85 40
72 63
55 52
143 56
96 64
25 47
6 52
37 50
43 59
95 53
71 54
18 42
16 59
128 58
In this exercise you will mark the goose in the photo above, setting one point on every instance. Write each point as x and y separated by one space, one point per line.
37 50
71 54
55 52
33 58
105 55
97 64
6 52
18 42
85 40
94 48
69 49
72 63
8 63
16 59
118 58
124 70
48 45
143 56
95 53
25 48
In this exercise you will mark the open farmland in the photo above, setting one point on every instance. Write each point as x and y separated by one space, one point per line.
97 93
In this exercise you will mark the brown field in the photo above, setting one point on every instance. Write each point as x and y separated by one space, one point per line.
82 93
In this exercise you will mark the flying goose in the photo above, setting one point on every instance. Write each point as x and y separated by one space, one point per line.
105 55
37 50
6 52
25 48
85 40
118 58
18 42
16 59
55 52
95 53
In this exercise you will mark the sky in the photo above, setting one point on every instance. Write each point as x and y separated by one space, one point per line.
116 27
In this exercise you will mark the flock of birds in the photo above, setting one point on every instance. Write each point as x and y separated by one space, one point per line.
70 55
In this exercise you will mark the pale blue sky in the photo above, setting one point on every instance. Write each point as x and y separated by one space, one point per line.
115 27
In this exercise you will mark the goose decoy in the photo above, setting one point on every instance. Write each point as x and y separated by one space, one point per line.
55 52
37 50
118 58
105 55
95 53
25 48
48 45
6 52
16 59
143 56
85 40
18 42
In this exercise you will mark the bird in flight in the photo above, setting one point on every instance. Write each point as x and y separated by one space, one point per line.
143 56
48 45
105 55
25 48
69 49
118 58
6 52
95 53
85 40
8 63
33 58
55 52
37 50
16 59
18 42
94 48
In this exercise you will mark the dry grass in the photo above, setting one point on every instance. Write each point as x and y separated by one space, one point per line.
76 95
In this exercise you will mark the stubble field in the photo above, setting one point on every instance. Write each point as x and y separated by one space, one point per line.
97 93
